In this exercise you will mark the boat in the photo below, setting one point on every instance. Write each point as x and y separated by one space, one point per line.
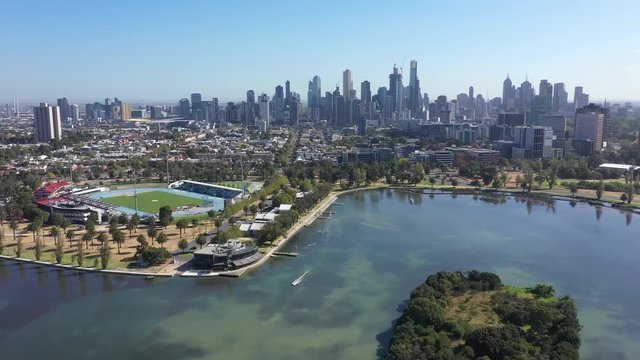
149 277
310 245
411 201
299 279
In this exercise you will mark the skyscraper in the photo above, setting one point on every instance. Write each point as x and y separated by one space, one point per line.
263 101
580 99
365 92
47 122
414 89
559 97
508 94
546 95
525 96
590 124
184 108
395 90
74 112
287 92
63 104
347 84
196 105
251 97
314 95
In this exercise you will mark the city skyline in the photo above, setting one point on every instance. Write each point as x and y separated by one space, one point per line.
241 47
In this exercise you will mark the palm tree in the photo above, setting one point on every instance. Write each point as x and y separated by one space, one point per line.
162 238
118 238
86 237
102 237
130 226
13 225
33 227
181 225
135 219
54 233
212 216
71 234
152 232
183 245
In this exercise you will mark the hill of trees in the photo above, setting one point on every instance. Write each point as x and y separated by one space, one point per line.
455 315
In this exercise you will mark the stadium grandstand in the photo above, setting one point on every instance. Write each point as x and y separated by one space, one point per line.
64 198
227 193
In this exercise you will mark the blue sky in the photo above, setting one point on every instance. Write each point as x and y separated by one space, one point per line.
163 50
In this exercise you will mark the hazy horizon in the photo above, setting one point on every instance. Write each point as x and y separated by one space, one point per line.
148 51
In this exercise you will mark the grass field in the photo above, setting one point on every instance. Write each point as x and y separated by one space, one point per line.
152 201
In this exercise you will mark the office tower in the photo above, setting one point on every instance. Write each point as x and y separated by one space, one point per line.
278 104
508 94
314 95
559 97
279 92
47 122
557 123
74 113
185 108
347 84
263 102
481 106
294 109
525 95
196 105
414 89
334 105
251 97
395 90
125 111
63 104
532 142
287 92
7 111
546 95
327 106
590 125
365 92
580 99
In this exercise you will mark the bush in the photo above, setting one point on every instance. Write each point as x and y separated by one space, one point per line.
153 256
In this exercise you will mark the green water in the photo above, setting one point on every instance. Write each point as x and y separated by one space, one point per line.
364 262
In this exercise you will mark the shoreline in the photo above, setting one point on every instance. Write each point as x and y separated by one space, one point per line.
311 216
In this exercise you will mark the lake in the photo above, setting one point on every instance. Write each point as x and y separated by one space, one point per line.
363 263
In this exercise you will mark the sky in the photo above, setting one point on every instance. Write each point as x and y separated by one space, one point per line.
162 50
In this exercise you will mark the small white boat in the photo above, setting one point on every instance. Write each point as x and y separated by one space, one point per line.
299 279
310 245
411 201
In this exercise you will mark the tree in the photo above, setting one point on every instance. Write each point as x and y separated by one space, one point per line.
102 237
211 214
417 173
165 216
130 226
432 181
19 247
70 235
13 225
162 238
183 245
629 192
135 219
123 219
80 254
1 245
55 234
218 222
142 241
152 232
38 249
59 251
33 227
195 222
154 256
573 188
181 225
454 182
118 238
201 240
600 189
105 252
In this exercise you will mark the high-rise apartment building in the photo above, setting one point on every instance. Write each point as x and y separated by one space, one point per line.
559 97
263 102
414 89
347 84
47 122
395 90
580 99
590 125
365 92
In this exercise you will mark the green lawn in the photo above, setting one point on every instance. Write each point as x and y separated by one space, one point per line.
152 201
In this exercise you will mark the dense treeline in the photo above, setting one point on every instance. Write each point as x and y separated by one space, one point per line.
534 324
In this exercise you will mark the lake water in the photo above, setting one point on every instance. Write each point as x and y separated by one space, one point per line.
363 264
